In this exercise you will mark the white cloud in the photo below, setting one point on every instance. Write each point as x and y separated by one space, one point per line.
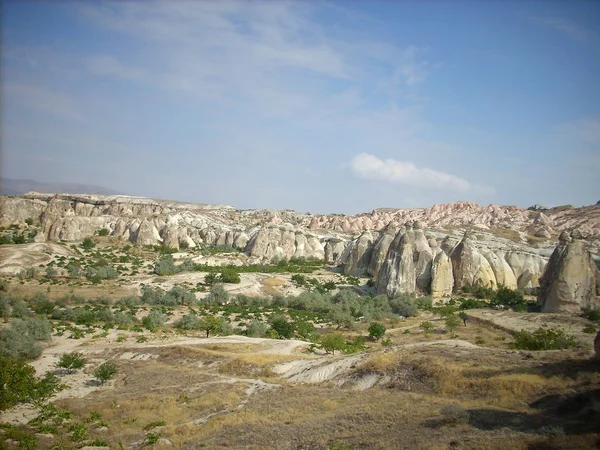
585 130
41 99
370 167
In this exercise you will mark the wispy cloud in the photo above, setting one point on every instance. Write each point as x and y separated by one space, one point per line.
585 130
566 26
47 101
370 167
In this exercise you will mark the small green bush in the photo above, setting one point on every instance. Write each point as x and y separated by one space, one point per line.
404 306
427 327
106 371
590 329
71 361
103 232
544 338
333 341
88 243
377 330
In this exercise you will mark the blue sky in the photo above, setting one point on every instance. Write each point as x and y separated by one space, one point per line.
313 106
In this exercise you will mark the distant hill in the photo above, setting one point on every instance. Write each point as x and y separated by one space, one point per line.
10 186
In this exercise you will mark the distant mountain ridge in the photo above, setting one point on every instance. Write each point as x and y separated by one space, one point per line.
9 186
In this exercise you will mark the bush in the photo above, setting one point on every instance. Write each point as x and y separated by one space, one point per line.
452 322
106 371
544 338
427 327
257 329
18 383
88 243
19 339
154 319
211 278
404 306
284 328
377 330
188 322
71 361
590 329
333 341
217 295
300 280
165 267
230 276
509 298
425 302
211 324
592 315
103 232
453 414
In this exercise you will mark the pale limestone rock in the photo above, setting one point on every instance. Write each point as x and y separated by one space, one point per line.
398 274
360 256
569 284
147 234
469 266
442 279
503 273
380 251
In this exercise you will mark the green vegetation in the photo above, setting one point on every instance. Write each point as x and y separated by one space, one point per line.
452 322
377 330
544 338
105 371
71 361
18 383
333 341
427 327
88 244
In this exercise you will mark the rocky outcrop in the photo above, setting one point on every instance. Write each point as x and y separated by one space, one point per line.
276 242
360 256
469 266
569 281
380 251
442 279
398 274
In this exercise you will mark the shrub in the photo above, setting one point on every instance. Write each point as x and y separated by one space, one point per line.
469 303
211 278
88 243
300 280
51 272
18 383
510 298
41 304
377 330
257 329
544 338
217 295
404 306
592 315
106 371
453 414
29 221
103 232
210 324
590 329
333 341
165 267
427 327
17 341
188 322
284 328
230 276
425 302
452 322
71 361
154 319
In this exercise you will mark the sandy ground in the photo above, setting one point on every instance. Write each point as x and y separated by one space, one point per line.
15 258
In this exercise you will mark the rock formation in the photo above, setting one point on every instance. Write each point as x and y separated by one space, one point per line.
568 284
442 279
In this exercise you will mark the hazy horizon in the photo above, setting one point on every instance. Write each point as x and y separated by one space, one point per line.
317 107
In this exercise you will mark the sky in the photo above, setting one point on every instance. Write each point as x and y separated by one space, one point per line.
321 107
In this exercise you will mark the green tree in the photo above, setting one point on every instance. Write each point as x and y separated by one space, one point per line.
427 327
217 295
106 371
18 383
210 324
333 341
452 322
88 243
71 361
230 276
377 330
284 328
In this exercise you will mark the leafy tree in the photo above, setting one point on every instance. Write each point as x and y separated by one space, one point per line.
284 328
452 322
106 371
188 322
210 324
377 330
509 297
154 319
88 243
18 383
257 329
217 295
427 327
71 361
340 316
304 329
404 306
332 342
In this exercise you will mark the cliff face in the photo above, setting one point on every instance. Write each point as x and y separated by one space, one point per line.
401 249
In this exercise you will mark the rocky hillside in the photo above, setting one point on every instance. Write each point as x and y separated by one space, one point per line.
433 250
